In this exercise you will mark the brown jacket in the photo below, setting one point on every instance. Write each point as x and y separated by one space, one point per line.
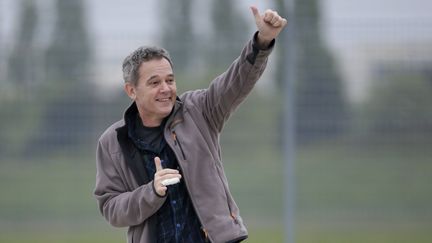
125 194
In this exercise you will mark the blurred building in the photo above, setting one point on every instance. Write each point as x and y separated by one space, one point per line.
365 64
363 34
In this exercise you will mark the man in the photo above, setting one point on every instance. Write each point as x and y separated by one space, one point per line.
159 170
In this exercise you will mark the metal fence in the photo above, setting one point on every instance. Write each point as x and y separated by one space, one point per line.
361 113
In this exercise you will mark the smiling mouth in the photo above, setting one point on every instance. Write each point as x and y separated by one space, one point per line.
164 99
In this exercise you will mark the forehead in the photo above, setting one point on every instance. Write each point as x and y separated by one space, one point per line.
155 67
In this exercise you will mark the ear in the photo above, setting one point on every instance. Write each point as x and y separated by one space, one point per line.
130 90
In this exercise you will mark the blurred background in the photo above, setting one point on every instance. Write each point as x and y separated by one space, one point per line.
362 113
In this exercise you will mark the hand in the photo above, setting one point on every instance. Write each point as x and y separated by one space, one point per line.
269 25
161 175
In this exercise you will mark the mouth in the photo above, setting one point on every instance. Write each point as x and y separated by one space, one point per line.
168 99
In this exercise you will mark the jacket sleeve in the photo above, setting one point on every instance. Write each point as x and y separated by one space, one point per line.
230 88
119 206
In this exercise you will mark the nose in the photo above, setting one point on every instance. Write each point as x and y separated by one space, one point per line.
164 87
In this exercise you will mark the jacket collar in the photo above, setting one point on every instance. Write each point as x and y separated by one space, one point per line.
171 120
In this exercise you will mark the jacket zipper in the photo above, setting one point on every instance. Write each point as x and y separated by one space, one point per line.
177 142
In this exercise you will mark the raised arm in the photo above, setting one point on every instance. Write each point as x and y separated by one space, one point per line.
229 89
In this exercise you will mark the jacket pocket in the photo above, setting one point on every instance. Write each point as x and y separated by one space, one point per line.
229 199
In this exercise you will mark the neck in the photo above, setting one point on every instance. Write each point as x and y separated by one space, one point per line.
149 122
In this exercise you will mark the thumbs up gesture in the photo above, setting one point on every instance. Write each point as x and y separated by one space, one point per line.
269 25
164 177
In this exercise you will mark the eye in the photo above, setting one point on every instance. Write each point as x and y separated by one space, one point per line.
154 82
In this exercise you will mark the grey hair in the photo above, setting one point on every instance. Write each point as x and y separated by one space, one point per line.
132 62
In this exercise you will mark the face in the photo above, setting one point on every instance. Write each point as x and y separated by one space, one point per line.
155 92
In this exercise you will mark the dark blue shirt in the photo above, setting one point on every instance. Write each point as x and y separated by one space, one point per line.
176 219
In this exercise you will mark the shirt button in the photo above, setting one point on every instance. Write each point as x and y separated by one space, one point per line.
178 225
174 202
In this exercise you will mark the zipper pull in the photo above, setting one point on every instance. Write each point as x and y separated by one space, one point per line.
206 236
176 142
234 217
174 137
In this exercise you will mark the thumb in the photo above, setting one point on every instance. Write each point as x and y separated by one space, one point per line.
256 13
158 164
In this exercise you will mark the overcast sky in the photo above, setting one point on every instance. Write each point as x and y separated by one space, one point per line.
343 20
117 27
349 22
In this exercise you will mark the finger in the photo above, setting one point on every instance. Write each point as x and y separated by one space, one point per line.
162 190
274 20
169 176
167 172
256 13
158 164
284 21
268 15
277 22
275 17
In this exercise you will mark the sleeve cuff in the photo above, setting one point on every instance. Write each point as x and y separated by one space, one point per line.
261 48
256 49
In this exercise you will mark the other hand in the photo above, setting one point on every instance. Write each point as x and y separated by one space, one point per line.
269 25
161 175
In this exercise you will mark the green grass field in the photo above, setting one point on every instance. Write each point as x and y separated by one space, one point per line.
344 194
